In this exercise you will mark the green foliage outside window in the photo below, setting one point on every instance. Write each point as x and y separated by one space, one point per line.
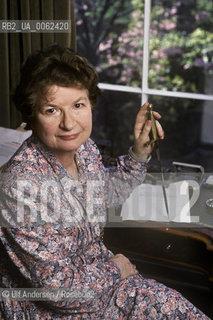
110 34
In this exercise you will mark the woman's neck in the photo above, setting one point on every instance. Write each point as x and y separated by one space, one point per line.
73 170
69 162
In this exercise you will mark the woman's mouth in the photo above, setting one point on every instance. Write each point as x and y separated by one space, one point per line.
69 136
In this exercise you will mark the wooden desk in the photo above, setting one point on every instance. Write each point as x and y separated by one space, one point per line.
180 258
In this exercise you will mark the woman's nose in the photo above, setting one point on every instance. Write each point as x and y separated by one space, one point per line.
67 121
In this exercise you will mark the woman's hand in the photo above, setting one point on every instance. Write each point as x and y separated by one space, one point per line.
141 133
126 267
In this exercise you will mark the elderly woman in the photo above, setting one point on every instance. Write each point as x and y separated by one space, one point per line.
54 195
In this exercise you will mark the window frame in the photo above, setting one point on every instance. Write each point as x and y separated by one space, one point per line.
145 91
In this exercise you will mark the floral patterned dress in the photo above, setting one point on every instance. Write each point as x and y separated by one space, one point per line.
50 237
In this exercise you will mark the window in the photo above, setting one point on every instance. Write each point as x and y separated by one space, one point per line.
161 51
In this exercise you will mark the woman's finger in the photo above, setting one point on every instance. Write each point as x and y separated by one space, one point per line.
140 120
157 115
159 129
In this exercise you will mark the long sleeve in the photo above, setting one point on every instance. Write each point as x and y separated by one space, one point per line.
57 257
118 181
48 232
43 268
122 179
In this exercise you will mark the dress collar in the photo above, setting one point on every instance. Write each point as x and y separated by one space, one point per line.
55 164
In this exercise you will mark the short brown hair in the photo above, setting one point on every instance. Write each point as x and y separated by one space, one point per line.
55 65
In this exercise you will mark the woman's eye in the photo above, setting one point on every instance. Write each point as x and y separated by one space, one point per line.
51 111
78 105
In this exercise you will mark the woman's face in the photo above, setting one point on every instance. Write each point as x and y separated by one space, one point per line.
64 122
